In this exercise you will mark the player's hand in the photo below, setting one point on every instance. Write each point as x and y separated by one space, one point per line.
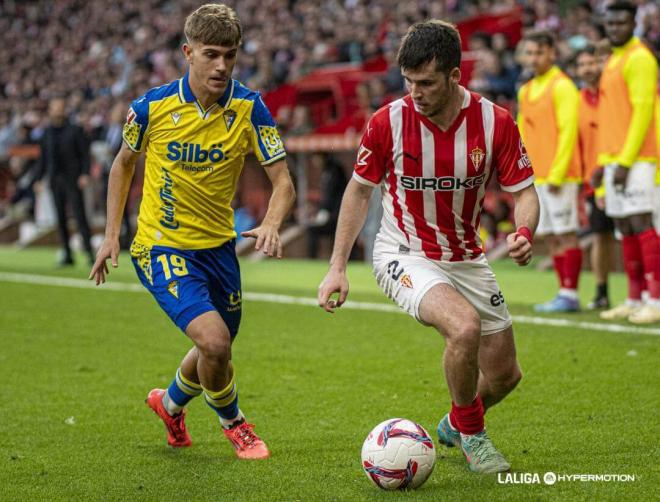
334 282
520 249
109 249
597 178
620 177
268 239
600 203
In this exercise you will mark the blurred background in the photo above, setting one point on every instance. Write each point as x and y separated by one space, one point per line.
323 68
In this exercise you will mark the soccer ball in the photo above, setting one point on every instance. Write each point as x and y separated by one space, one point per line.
398 454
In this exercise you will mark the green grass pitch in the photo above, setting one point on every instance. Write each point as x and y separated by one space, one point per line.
77 363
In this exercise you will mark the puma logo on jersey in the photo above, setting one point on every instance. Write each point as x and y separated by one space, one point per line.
363 154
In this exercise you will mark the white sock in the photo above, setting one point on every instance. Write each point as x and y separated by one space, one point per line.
633 303
451 426
171 407
646 296
227 423
653 302
569 293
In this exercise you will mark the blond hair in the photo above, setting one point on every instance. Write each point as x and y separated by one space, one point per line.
213 24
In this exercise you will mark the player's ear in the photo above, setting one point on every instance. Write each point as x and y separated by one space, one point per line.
455 75
187 52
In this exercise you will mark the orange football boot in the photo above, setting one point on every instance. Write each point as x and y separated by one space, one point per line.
246 443
177 434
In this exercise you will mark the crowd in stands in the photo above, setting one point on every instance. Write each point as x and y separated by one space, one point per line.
101 55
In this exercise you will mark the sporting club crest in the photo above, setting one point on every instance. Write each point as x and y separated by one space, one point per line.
476 156
406 281
175 117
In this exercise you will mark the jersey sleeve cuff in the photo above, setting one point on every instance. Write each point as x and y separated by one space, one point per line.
518 186
274 159
363 181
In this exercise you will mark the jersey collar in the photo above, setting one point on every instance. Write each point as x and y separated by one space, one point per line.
630 43
186 95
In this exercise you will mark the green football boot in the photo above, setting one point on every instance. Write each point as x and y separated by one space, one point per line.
481 455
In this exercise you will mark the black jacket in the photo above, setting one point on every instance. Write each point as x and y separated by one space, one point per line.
64 152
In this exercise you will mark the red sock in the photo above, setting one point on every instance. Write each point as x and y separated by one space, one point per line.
572 266
649 244
558 261
632 263
468 419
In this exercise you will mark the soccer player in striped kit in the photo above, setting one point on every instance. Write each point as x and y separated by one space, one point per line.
432 154
627 149
548 122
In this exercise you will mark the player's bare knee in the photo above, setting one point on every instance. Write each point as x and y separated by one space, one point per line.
215 346
466 334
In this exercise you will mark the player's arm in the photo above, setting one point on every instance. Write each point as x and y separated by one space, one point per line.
119 183
267 234
641 76
566 100
526 216
352 214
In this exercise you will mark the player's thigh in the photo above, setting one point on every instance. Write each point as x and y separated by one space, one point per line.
545 223
497 355
406 279
451 313
225 284
175 280
476 282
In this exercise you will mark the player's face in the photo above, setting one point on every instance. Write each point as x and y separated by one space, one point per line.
211 66
619 26
588 69
539 58
429 88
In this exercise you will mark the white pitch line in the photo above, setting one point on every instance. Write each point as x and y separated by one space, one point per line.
296 300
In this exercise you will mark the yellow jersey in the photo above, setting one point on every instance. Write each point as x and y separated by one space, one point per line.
194 158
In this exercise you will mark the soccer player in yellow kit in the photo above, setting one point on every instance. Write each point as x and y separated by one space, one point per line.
196 132
627 148
548 123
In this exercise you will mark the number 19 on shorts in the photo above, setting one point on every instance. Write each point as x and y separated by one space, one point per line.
173 264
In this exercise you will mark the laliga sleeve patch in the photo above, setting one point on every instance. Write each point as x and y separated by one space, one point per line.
271 140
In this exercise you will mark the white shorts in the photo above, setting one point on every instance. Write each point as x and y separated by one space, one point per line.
638 196
406 279
559 211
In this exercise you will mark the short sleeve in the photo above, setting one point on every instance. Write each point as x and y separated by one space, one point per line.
136 125
369 168
266 142
514 169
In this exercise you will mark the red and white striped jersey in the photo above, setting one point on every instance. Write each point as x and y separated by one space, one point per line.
433 182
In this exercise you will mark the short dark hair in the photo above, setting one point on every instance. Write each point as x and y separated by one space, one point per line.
431 40
587 49
621 5
541 38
